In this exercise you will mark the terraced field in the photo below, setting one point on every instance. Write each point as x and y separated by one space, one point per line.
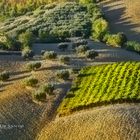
99 85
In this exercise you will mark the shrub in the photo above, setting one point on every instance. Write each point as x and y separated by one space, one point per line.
82 49
33 66
32 82
63 46
50 55
4 76
133 46
99 28
91 54
63 74
64 59
39 95
48 88
27 53
79 42
116 40
26 38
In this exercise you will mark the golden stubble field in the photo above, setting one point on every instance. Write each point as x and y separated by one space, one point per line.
113 122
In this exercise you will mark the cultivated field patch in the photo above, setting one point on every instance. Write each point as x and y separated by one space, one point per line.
99 85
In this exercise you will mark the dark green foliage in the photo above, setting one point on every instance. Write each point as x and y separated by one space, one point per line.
39 95
63 21
64 59
4 76
33 66
43 90
50 55
63 46
31 82
91 54
82 49
63 74
47 88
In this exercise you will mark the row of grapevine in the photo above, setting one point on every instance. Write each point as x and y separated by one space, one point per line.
110 83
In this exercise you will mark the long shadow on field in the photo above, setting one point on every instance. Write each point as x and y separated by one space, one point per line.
117 23
19 72
19 78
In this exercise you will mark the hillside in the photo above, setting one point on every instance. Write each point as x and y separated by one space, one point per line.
123 16
112 122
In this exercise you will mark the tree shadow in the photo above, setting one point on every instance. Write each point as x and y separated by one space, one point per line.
117 22
19 78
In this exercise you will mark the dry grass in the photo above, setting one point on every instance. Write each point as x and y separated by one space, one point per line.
133 9
123 16
16 104
119 122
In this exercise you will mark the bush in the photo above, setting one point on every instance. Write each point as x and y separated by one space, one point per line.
115 40
43 90
39 95
99 28
32 82
63 46
4 76
82 49
27 53
79 42
63 74
91 54
26 38
48 88
64 59
33 66
50 55
133 46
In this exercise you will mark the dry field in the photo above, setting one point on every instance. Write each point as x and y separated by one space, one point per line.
123 16
118 122
23 117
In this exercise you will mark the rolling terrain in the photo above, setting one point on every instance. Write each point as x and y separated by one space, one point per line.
113 122
101 102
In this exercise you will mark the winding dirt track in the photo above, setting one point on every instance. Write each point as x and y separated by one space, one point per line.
119 19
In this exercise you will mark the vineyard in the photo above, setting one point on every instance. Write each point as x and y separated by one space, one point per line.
99 85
